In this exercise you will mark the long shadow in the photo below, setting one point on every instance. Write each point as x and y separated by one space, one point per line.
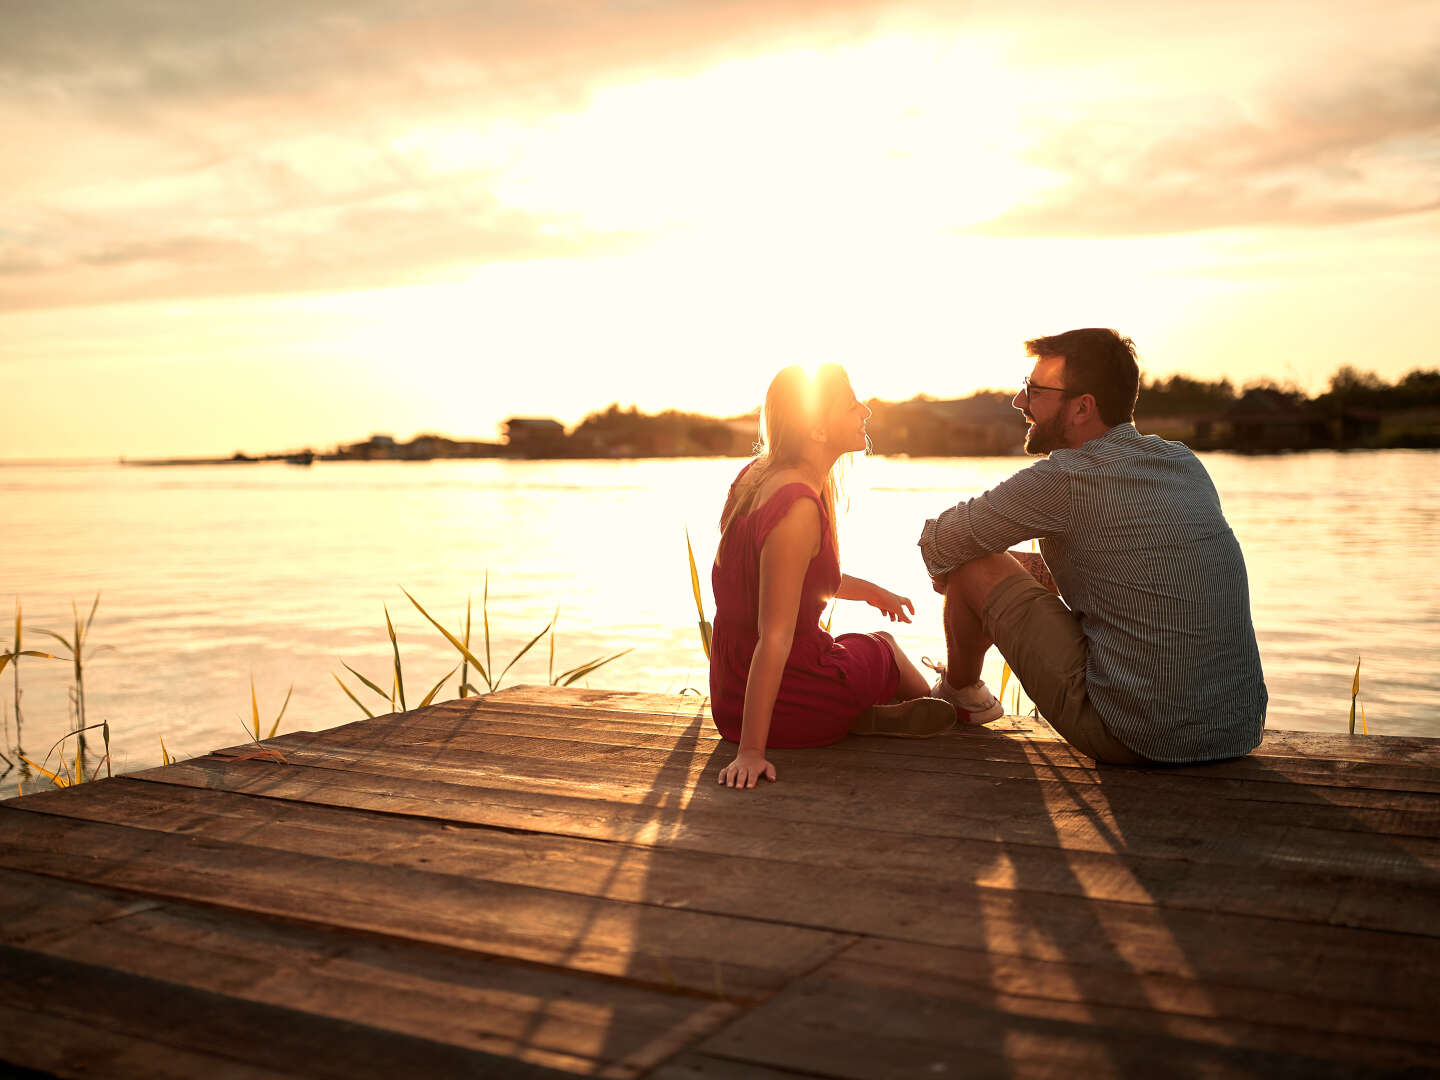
1252 911
1252 916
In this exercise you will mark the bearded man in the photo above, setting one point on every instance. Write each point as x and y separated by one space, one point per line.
1142 651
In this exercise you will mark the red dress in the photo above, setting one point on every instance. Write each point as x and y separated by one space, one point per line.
827 681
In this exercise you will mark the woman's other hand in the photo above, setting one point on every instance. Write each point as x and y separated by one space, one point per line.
892 605
746 769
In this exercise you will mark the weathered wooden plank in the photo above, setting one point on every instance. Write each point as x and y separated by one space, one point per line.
620 772
1277 742
886 1009
692 1066
950 754
1279 835
181 1018
642 943
956 753
1400 896
916 900
978 752
543 1016
38 1045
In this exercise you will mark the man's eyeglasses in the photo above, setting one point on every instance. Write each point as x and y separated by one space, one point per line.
1026 386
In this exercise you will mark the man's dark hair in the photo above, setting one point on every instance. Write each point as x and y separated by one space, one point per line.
1098 362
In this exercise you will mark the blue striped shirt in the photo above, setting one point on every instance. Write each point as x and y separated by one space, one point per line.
1130 526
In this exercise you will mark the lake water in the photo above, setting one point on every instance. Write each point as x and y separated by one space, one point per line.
210 575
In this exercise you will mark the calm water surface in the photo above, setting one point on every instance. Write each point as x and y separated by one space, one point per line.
211 574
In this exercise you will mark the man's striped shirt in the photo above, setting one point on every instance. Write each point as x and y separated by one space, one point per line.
1130 525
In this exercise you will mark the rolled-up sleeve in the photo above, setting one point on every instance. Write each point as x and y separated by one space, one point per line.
1035 502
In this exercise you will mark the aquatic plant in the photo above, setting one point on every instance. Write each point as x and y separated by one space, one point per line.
255 711
579 671
469 658
75 644
705 627
1354 698
12 659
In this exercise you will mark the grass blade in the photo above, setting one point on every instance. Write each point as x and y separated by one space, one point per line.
485 618
254 709
700 606
395 645
276 726
528 645
465 664
1354 693
383 695
436 688
463 650
580 672
165 757
55 778
694 576
91 619
352 697
1005 674
57 637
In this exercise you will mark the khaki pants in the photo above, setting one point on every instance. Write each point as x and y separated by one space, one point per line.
1042 641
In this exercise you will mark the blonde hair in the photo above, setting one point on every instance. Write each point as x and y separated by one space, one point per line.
797 402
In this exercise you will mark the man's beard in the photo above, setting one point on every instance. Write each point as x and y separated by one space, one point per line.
1042 438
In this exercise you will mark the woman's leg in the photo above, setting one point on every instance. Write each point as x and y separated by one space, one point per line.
913 683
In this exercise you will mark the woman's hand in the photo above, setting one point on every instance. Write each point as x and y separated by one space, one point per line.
891 605
746 769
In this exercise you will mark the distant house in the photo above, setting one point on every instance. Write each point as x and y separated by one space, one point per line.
534 435
1265 419
375 448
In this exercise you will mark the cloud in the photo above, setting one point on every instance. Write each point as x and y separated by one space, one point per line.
386 242
1364 151
271 146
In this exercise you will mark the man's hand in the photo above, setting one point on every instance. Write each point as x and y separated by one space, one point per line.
1034 565
746 769
940 584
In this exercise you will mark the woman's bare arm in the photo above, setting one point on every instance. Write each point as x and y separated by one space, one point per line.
783 561
890 604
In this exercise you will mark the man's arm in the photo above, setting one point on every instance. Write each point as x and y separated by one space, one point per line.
1034 502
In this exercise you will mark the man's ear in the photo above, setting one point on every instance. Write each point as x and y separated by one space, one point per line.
1088 407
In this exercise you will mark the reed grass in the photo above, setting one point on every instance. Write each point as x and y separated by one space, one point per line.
255 712
1355 699
706 630
75 644
12 660
469 658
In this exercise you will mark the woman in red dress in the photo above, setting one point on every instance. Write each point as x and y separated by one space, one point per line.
776 677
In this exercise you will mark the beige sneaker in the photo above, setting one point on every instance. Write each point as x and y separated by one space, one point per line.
919 718
975 704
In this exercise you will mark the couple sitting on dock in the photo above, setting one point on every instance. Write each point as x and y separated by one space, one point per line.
1130 631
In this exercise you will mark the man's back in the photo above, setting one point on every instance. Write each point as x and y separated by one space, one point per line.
1131 528
1149 563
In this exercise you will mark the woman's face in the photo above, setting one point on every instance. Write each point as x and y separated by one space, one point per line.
846 429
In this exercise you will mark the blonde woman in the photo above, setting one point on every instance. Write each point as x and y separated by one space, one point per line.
776 677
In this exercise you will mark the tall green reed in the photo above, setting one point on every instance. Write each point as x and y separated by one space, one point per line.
12 660
76 646
469 658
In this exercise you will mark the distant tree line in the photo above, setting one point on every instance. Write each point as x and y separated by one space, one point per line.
986 423
1350 388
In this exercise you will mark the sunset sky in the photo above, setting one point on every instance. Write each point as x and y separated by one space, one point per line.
268 225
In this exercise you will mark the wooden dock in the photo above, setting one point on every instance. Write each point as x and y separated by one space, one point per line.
548 882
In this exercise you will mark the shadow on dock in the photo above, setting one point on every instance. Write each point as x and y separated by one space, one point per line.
552 879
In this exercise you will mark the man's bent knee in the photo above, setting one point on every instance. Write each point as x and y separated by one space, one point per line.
971 583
